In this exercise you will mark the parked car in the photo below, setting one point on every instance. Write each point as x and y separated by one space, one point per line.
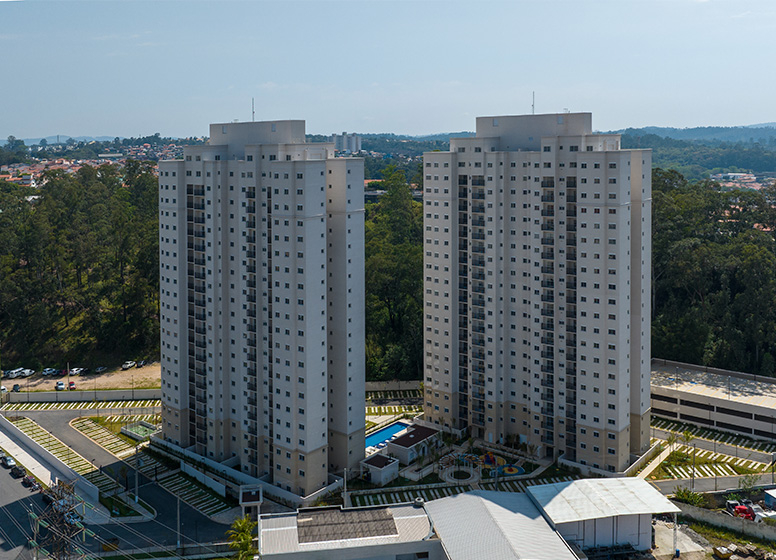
129 364
49 371
71 386
101 369
142 363
18 472
9 462
16 388
28 372
3 389
76 371
60 386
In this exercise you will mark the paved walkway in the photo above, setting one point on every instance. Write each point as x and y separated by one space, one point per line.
655 463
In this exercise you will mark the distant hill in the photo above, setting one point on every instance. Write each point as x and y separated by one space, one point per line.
64 138
763 133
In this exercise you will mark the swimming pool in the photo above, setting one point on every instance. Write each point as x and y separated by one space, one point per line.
384 434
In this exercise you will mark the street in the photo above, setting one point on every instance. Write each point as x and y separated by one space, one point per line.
158 532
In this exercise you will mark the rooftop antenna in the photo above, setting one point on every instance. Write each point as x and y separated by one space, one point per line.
533 102
253 110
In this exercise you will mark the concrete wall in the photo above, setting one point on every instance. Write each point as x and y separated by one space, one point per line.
608 531
750 528
398 551
58 469
203 478
85 395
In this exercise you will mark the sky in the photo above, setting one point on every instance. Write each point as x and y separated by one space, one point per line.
134 68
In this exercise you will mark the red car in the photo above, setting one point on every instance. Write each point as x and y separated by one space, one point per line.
71 386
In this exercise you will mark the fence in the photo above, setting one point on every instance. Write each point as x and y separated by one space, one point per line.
651 453
739 524
717 371
232 479
392 386
85 395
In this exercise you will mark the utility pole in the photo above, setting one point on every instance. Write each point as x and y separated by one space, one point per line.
345 489
137 476
693 465
179 522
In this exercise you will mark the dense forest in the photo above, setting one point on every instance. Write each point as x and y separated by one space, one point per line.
696 160
79 267
714 274
394 282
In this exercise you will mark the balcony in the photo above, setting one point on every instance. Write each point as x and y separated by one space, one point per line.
548 241
548 283
548 368
549 197
548 326
548 298
548 212
547 340
478 194
548 226
548 355
478 381
548 255
548 269
548 184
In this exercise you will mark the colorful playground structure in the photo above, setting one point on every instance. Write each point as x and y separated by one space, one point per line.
497 464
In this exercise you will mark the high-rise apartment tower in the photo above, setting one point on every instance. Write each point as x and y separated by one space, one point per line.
537 284
262 303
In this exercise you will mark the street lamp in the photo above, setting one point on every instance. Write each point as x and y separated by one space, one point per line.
773 460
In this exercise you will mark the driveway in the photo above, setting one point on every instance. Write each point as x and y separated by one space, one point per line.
160 531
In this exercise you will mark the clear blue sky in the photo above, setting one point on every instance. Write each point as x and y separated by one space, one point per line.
132 68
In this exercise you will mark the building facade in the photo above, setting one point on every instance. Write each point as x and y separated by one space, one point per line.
262 303
537 282
346 142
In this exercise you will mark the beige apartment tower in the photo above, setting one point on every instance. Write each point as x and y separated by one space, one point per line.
262 304
537 283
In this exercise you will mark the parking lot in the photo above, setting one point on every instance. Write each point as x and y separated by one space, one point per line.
146 377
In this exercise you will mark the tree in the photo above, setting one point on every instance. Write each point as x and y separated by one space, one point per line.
394 282
241 538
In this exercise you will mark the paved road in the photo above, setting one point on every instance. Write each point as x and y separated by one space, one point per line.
707 484
727 449
162 530
15 502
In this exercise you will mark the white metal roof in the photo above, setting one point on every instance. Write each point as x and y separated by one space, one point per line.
578 500
496 526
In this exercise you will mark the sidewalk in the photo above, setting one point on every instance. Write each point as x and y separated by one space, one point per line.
96 514
654 463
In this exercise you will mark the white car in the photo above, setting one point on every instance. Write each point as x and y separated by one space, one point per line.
49 371
129 364
3 389
76 371
28 372
60 386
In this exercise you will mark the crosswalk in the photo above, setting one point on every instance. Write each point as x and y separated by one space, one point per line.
403 495
393 395
85 405
713 435
521 485
710 464
392 410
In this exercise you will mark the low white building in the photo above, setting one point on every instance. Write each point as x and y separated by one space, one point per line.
380 469
602 512
415 442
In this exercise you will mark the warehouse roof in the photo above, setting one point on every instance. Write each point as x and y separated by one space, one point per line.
578 500
331 528
497 526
